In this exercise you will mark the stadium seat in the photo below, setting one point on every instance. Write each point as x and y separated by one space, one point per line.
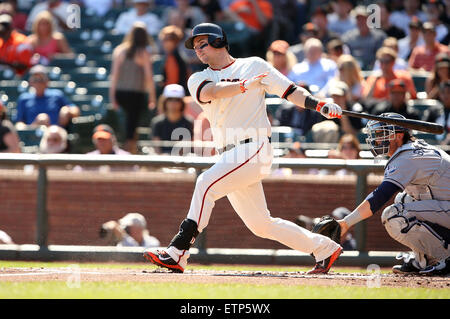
113 37
425 106
68 63
30 136
13 88
99 88
419 81
103 61
81 129
238 36
157 64
86 75
273 104
8 74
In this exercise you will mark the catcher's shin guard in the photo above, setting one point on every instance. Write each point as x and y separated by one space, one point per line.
186 235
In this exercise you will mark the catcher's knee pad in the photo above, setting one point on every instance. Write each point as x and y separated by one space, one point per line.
186 236
395 220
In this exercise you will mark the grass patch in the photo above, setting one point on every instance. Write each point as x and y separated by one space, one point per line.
125 290
148 266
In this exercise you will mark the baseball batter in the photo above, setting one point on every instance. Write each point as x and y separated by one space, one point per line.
232 93
420 215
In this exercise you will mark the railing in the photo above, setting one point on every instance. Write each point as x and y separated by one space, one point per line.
360 167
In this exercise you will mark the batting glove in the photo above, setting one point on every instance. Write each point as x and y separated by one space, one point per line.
329 110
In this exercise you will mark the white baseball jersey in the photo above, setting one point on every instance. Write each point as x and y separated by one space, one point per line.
244 115
239 171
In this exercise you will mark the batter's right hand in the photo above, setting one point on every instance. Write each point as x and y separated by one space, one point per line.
254 82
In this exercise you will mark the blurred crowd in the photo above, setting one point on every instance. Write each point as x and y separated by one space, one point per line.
365 58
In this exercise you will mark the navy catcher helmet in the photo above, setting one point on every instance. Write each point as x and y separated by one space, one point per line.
216 36
380 134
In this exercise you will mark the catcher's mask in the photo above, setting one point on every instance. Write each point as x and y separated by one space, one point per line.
216 36
380 134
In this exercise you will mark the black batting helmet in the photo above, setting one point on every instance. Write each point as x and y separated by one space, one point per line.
216 36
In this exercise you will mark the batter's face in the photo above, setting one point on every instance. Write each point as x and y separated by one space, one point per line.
202 48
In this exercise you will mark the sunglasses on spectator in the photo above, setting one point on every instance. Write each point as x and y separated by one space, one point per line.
201 47
385 61
37 80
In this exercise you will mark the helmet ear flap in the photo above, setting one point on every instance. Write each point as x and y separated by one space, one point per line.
216 42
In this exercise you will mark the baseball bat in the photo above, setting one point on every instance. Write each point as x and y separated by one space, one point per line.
417 125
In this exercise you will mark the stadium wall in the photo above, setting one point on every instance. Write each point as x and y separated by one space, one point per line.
79 202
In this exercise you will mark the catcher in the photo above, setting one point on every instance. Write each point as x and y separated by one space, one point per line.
420 215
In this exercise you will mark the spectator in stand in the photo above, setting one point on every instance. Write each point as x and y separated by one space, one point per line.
105 141
310 30
132 85
350 73
440 74
19 18
54 141
5 239
100 7
300 120
446 13
444 119
15 50
423 57
59 9
389 29
280 57
9 140
315 69
363 41
435 10
295 150
191 15
257 15
175 70
139 13
335 49
43 105
324 34
339 92
414 39
400 64
172 124
376 85
45 41
348 148
175 18
129 231
341 21
288 16
211 9
402 18
397 101
165 3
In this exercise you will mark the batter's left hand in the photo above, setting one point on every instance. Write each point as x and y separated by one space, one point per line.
329 110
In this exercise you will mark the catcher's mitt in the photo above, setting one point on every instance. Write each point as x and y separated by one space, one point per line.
328 226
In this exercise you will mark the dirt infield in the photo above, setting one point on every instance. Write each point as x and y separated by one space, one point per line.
219 276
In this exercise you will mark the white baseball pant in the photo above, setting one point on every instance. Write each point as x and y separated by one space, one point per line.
237 175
